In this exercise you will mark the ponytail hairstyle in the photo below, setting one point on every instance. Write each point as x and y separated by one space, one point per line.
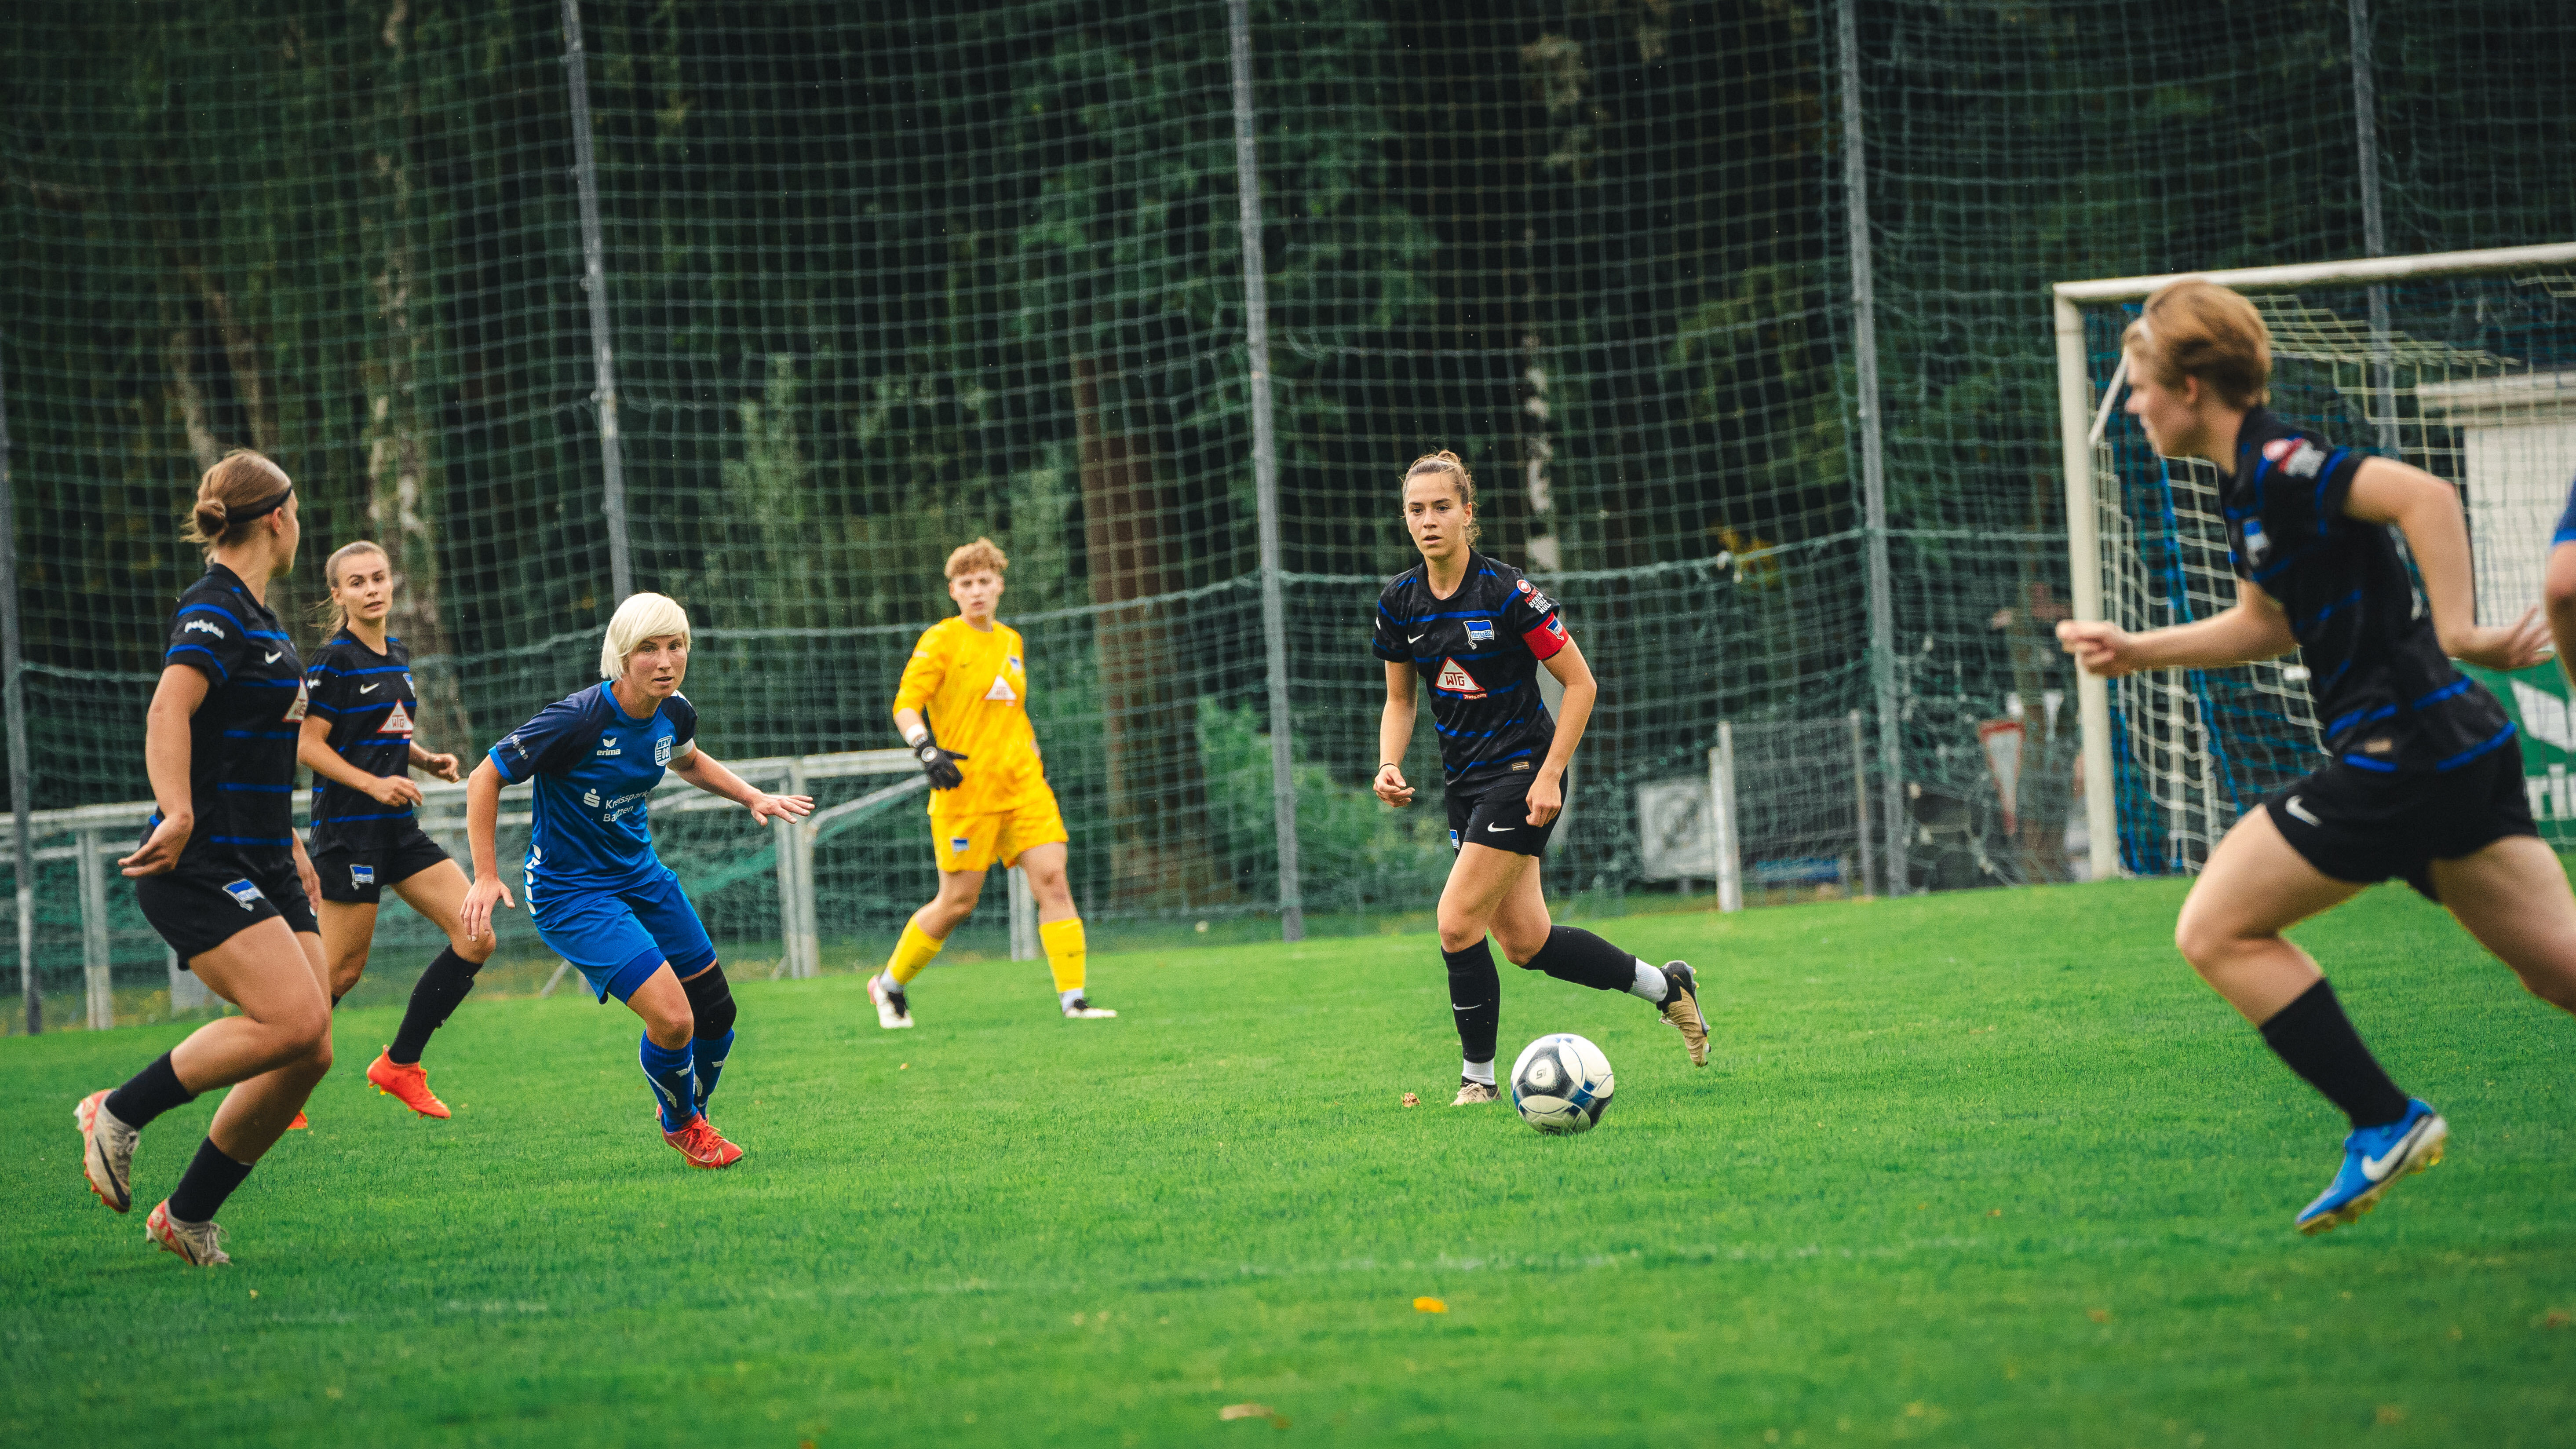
327 611
2197 328
240 489
1449 463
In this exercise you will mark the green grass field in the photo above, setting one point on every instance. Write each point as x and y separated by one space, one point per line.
1987 1168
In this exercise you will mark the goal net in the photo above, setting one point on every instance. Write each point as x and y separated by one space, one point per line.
2463 364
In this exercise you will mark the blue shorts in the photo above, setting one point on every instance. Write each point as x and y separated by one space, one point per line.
618 939
2566 531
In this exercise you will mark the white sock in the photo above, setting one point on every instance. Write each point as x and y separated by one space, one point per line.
1482 1072
1650 983
1069 997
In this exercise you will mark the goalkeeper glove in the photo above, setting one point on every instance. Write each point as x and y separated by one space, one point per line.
938 764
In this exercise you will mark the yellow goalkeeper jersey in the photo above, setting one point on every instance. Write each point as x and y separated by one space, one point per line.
973 688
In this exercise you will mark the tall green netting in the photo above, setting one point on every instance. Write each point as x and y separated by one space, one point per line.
882 279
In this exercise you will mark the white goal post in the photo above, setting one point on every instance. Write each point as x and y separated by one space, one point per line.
2082 416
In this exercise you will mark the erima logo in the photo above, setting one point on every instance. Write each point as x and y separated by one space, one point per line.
608 745
244 894
362 875
202 625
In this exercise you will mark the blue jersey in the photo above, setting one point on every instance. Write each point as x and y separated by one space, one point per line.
594 764
2566 531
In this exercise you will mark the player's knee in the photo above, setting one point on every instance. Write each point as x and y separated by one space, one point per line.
710 1001
2205 941
1521 950
1458 935
474 950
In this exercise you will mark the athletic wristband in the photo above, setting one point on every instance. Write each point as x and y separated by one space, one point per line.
918 734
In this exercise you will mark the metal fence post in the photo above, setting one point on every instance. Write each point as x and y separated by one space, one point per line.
1024 919
95 960
1729 846
1265 474
801 952
1860 800
13 695
2374 227
594 283
187 993
1873 462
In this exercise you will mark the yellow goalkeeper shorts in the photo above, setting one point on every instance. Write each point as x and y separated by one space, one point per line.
974 842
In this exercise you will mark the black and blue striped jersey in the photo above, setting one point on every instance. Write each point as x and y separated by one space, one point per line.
241 741
1479 650
2387 697
370 700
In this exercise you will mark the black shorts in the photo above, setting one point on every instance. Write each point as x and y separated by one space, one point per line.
2360 826
201 906
357 875
1494 814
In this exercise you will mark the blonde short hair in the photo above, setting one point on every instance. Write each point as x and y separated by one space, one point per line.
2197 328
981 556
641 617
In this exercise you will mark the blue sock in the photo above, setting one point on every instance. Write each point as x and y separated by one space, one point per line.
668 1070
710 1054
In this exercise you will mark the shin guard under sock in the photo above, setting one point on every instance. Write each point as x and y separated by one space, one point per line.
1475 999
2316 1039
440 988
152 1091
711 1002
707 1058
209 1180
669 1070
1584 959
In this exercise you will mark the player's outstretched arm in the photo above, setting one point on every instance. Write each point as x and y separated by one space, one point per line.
704 771
2252 628
1547 789
2427 510
482 826
167 752
1394 732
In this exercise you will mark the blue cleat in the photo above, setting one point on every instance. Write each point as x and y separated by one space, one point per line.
2373 1159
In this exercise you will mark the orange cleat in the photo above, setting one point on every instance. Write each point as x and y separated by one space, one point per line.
703 1145
199 1245
408 1085
299 1124
107 1152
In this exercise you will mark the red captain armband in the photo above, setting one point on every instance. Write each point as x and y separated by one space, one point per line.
1547 638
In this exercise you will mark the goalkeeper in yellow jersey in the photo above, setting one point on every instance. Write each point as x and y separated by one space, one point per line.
963 709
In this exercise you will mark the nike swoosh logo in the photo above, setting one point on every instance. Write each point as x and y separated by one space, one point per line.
1500 829
2301 811
2377 1168
1416 638
369 688
272 658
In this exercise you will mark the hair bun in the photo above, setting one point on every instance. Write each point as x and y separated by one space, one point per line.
212 516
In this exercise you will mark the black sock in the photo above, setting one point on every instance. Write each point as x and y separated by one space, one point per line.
1584 959
153 1091
435 995
1475 999
2314 1036
210 1179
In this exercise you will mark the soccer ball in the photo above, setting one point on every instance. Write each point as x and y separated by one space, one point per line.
1561 1084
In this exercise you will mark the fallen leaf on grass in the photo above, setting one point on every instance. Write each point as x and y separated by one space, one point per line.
1429 1305
1411 1100
2098 1315
1246 1411
904 1067
2557 1317
2392 1414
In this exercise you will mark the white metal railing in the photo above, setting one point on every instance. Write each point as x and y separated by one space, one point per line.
95 835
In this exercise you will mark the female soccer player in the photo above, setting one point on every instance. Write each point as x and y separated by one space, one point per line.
358 744
969 678
1477 632
2425 779
598 894
220 873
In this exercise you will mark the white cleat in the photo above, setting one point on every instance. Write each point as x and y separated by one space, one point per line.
894 1012
1081 1009
107 1152
1471 1093
199 1245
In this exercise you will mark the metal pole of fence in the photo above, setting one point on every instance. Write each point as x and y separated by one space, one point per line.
594 282
96 963
1860 799
2374 231
1265 473
1873 460
13 697
1729 865
1025 945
